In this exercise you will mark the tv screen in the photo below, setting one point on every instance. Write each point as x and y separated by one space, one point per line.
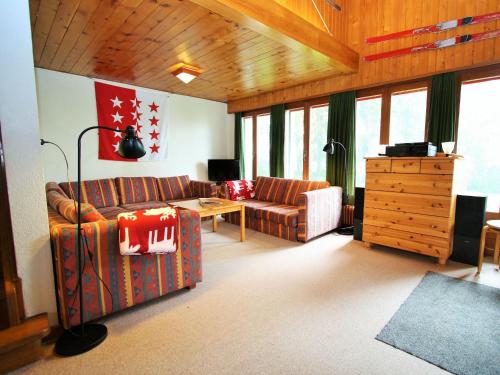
223 170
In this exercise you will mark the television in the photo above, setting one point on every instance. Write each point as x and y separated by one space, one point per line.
220 170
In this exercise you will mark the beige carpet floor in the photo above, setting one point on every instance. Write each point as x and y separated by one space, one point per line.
270 306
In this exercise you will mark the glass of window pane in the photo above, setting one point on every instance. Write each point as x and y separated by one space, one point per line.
263 147
408 111
294 144
368 115
318 137
248 142
478 135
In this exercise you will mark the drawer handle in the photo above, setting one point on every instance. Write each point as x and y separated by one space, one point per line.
434 226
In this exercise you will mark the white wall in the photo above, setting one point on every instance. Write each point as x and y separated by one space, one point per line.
18 116
197 130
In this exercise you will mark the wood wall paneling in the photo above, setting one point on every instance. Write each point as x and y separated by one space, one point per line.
366 18
135 41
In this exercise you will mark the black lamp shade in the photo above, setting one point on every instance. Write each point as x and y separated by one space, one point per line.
130 146
329 147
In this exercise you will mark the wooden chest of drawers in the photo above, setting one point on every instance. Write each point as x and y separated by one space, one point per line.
410 204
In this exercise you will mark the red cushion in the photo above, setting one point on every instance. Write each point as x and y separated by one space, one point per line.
240 189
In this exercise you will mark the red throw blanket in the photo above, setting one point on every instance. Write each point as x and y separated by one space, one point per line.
148 231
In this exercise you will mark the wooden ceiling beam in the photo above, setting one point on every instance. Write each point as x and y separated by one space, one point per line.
280 24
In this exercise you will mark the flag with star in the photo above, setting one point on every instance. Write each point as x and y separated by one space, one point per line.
145 110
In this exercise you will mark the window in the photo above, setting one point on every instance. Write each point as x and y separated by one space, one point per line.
294 143
477 140
408 115
248 142
368 117
318 137
263 146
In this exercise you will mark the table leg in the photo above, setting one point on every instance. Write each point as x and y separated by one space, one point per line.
242 223
496 254
214 223
481 249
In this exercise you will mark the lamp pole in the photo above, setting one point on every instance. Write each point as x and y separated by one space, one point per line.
330 149
91 335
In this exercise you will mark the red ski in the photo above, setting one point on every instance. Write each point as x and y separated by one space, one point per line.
435 45
442 26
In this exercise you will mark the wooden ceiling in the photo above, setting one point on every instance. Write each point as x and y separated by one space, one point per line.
136 41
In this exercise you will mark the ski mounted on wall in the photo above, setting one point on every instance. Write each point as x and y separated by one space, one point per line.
435 45
441 26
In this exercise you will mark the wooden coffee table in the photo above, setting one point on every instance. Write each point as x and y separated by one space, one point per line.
225 207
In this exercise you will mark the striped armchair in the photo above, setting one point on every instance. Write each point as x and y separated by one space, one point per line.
296 210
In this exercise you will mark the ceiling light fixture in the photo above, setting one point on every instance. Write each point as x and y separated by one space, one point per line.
186 73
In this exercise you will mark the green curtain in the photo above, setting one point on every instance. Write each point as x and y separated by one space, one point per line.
341 127
442 109
239 142
277 141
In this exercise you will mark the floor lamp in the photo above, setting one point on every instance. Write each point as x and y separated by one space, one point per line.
87 336
330 150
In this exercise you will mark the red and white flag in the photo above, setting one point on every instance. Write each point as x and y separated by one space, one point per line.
119 107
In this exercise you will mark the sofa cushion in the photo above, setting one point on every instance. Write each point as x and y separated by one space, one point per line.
137 189
144 205
270 189
252 205
54 186
68 209
55 198
177 187
90 214
279 214
99 193
110 213
296 187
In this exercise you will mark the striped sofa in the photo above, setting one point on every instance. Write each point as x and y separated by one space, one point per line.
131 280
296 210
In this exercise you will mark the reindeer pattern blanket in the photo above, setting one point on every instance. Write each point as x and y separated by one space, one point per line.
150 231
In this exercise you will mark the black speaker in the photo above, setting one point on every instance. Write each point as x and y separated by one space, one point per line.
469 221
359 202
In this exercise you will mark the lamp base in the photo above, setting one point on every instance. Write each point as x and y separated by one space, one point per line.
71 343
346 231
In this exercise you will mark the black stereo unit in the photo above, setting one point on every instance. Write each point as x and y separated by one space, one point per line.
469 221
411 149
359 202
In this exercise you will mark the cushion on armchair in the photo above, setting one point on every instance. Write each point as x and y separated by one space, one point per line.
177 187
240 189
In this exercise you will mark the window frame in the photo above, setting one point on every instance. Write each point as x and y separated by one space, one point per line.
253 115
487 73
306 106
386 93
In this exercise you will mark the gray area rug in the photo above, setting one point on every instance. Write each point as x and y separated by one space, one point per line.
451 323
